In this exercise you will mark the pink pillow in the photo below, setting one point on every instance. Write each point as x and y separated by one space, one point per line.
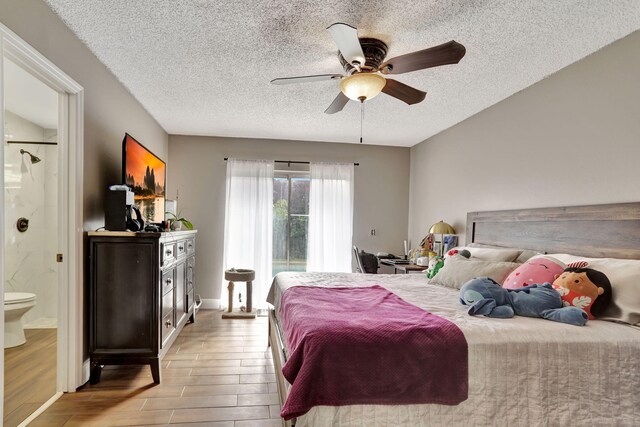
537 270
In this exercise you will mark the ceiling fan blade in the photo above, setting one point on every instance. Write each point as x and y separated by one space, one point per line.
446 53
337 104
306 79
346 38
403 92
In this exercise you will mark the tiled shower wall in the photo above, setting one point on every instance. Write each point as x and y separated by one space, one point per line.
31 192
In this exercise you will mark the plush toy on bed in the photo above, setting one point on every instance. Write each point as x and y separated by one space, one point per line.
486 297
578 294
437 262
462 252
584 288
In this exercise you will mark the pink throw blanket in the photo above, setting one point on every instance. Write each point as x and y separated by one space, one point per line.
350 346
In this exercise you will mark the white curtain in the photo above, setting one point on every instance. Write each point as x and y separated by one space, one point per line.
248 226
330 217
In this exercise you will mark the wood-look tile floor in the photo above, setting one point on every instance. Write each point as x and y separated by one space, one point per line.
29 375
218 373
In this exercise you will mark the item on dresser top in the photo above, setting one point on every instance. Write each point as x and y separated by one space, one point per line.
458 270
145 174
486 297
539 269
117 208
176 220
134 223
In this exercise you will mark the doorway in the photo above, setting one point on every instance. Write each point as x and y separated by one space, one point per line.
31 239
41 260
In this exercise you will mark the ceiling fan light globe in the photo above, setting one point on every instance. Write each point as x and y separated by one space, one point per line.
362 85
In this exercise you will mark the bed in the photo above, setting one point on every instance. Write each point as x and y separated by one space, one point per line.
522 371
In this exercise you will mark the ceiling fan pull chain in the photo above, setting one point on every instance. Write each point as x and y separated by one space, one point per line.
361 118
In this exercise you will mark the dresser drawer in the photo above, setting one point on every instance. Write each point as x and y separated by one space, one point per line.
191 246
167 303
167 326
168 253
168 280
181 248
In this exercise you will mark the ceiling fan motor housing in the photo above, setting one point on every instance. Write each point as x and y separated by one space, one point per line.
374 51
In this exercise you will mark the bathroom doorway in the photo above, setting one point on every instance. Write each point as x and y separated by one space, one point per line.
31 242
41 120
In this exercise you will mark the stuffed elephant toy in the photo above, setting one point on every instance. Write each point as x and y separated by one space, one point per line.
486 297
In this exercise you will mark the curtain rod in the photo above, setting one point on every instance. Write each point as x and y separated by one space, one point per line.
32 142
293 161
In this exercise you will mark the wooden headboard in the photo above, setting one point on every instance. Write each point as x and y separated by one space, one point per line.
611 230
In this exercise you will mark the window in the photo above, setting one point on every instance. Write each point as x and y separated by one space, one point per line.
290 221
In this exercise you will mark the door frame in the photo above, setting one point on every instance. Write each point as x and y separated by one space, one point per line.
70 153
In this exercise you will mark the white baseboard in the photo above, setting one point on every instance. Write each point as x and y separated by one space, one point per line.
210 304
86 370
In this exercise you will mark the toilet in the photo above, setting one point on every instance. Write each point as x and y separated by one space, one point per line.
16 304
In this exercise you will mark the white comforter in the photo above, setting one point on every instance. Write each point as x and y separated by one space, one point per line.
522 371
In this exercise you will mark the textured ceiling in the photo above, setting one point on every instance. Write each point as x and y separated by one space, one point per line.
202 67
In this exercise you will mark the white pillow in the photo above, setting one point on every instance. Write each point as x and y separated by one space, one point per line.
525 254
624 275
458 270
492 254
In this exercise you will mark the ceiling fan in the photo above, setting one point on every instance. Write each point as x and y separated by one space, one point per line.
362 60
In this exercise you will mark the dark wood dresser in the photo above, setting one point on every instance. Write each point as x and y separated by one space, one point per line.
141 294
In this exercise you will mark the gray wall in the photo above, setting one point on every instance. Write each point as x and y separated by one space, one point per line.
571 139
110 110
197 170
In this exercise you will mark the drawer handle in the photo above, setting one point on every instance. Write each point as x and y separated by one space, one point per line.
167 323
168 281
169 252
190 245
181 248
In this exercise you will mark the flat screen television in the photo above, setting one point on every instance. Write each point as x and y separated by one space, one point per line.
145 174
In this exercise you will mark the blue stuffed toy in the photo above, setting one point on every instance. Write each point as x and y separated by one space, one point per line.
486 297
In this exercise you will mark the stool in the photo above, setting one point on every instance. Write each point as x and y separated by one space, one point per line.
240 275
